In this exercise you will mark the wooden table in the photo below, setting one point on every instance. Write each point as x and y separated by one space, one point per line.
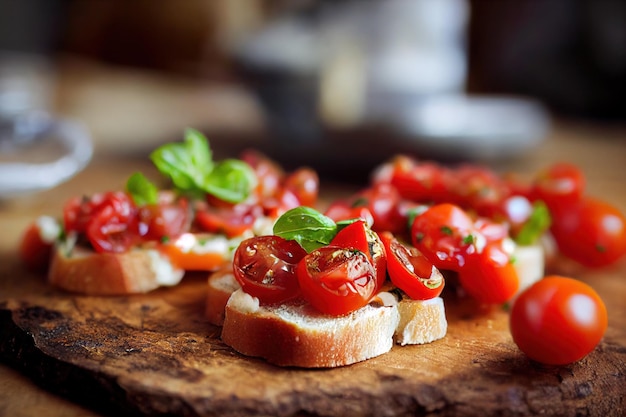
599 150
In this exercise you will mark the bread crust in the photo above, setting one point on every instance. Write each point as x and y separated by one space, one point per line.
296 335
84 271
220 286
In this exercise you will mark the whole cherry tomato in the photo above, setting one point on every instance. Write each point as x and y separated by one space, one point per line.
591 232
265 267
558 320
360 237
444 233
304 183
489 275
410 271
336 280
559 186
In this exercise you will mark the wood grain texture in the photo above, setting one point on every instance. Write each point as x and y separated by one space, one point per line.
156 354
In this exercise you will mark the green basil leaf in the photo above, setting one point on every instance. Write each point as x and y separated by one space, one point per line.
142 190
538 222
307 226
187 164
231 180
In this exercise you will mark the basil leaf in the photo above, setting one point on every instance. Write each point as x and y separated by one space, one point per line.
231 180
142 190
538 222
310 228
187 164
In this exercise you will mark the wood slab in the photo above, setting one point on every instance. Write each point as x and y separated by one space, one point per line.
155 354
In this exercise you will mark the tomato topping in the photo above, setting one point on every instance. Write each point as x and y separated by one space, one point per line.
558 320
337 280
232 221
591 232
304 184
410 270
341 210
269 173
559 186
383 202
108 229
265 266
444 233
360 237
34 252
489 275
163 221
425 182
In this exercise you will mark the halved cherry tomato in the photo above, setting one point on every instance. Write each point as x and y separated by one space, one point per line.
359 236
424 182
591 232
197 252
383 202
163 221
232 221
489 275
108 229
410 270
444 233
265 267
336 280
34 252
558 320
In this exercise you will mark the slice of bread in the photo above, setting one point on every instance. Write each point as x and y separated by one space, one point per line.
421 321
81 270
220 286
295 334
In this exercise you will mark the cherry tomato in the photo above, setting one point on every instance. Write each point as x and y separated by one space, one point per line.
108 229
34 252
591 232
336 280
161 221
411 271
232 221
559 186
444 233
360 237
265 267
425 182
341 210
304 183
382 200
269 173
278 204
558 320
489 276
479 189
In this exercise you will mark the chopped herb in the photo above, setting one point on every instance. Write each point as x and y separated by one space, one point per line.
419 236
538 222
446 230
469 239
601 248
360 202
165 239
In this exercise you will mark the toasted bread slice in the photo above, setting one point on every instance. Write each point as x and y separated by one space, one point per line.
221 284
81 270
295 334
421 321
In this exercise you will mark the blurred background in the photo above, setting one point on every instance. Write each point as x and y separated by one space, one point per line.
337 85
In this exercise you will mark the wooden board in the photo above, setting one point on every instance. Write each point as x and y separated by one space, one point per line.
156 354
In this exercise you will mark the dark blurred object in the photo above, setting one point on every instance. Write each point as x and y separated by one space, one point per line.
569 54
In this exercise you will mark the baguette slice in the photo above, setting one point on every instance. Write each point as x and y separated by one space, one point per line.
84 271
221 284
294 334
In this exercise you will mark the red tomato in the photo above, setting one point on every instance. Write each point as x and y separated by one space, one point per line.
269 173
265 267
233 221
109 228
278 204
558 320
479 189
161 221
411 271
591 232
336 280
444 233
489 275
425 182
383 202
304 183
559 186
33 251
359 236
341 210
